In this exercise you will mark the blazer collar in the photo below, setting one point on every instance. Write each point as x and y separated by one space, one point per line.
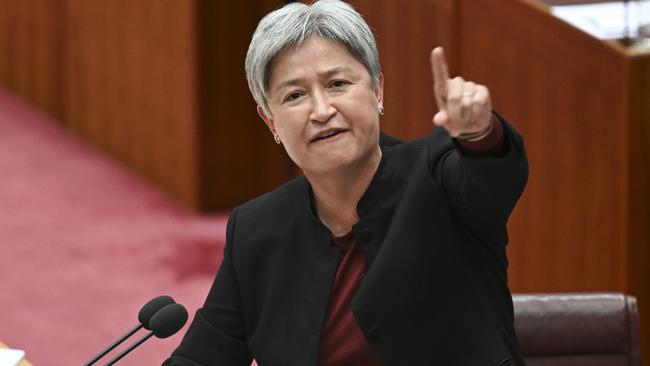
378 185
380 181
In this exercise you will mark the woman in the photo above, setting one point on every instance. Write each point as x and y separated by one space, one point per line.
384 252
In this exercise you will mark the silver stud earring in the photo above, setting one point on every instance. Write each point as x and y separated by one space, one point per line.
381 111
277 138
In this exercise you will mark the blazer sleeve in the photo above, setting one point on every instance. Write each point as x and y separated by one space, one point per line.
483 190
217 334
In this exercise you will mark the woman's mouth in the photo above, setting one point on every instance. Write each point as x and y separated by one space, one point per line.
328 135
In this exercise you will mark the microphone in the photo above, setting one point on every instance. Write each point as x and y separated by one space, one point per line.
151 308
165 323
144 317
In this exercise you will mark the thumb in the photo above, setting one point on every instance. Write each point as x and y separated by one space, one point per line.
441 118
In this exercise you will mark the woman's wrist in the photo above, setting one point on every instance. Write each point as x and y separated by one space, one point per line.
479 135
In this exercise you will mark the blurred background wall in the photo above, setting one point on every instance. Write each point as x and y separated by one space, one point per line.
160 86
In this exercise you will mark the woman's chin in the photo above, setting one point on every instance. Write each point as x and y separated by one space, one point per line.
331 165
338 165
341 161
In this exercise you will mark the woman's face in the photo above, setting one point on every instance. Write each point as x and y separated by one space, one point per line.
324 107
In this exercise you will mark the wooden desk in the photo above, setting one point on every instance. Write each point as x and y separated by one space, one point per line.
24 362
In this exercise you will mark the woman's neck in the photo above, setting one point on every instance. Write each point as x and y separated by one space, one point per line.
337 194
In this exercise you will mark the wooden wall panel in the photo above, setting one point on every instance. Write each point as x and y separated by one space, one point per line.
406 32
638 244
567 227
582 106
158 85
238 156
131 86
31 50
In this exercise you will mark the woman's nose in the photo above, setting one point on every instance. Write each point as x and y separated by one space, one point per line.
321 108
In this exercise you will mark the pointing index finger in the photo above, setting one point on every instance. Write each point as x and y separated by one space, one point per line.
440 75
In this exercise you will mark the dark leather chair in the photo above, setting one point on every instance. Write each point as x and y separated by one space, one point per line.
589 329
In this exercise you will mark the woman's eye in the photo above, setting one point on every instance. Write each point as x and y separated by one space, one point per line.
292 96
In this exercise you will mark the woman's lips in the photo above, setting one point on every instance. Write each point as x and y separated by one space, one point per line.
331 137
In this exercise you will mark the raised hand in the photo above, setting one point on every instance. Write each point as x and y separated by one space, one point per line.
464 107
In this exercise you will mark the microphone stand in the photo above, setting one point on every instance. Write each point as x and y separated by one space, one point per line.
115 344
131 348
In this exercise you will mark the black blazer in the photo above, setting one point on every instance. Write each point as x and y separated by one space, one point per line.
433 229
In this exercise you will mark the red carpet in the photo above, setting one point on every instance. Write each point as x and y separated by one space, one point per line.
84 244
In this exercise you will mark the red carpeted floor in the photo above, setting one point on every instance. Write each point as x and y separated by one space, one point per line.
84 244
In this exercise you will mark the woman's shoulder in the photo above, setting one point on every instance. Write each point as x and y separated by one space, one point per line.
264 224
281 202
401 150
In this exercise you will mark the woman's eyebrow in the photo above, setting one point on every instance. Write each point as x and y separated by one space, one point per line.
289 82
335 71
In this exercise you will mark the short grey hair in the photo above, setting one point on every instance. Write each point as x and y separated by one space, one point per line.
293 24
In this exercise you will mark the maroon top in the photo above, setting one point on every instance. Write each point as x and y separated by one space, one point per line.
342 342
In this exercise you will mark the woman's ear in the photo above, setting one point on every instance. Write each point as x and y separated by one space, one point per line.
267 119
379 90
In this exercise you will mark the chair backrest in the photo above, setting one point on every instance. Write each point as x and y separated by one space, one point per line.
578 329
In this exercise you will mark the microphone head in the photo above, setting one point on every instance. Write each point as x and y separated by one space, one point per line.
168 320
152 307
